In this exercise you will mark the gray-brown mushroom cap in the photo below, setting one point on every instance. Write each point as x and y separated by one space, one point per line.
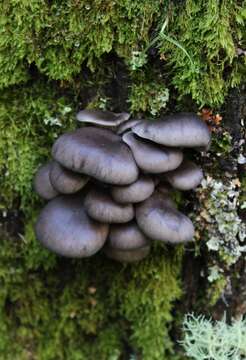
127 125
186 177
98 153
126 237
138 191
127 256
66 181
42 184
104 118
100 206
150 157
180 130
64 228
160 221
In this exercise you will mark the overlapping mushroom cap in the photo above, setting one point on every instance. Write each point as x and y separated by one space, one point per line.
42 183
186 177
127 237
64 228
127 125
150 157
180 130
98 153
130 173
104 118
126 243
159 220
66 181
100 206
135 192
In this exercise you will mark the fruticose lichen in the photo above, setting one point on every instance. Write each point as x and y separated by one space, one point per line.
205 339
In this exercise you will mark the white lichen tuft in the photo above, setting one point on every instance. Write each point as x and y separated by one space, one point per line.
205 339
215 273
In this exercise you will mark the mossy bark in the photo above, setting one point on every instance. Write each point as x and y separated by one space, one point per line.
150 58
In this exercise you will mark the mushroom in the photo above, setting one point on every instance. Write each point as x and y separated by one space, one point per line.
42 184
151 157
186 177
104 118
127 256
64 228
135 192
66 181
126 243
78 225
159 220
126 237
101 207
98 153
180 130
127 125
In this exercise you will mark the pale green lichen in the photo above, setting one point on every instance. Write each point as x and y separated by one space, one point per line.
225 230
215 273
205 339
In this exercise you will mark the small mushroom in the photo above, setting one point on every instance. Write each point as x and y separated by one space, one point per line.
104 118
126 237
151 157
98 153
159 220
127 125
64 228
101 207
42 184
135 192
66 181
180 130
186 177
127 256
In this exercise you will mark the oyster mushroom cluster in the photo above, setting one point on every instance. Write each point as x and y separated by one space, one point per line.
109 185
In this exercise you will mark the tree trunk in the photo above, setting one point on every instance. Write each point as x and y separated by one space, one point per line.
150 59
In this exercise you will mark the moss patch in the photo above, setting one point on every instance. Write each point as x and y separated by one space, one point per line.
53 308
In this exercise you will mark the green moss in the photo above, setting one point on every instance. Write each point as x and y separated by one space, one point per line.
56 309
210 32
222 143
147 303
148 93
30 120
59 36
216 289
